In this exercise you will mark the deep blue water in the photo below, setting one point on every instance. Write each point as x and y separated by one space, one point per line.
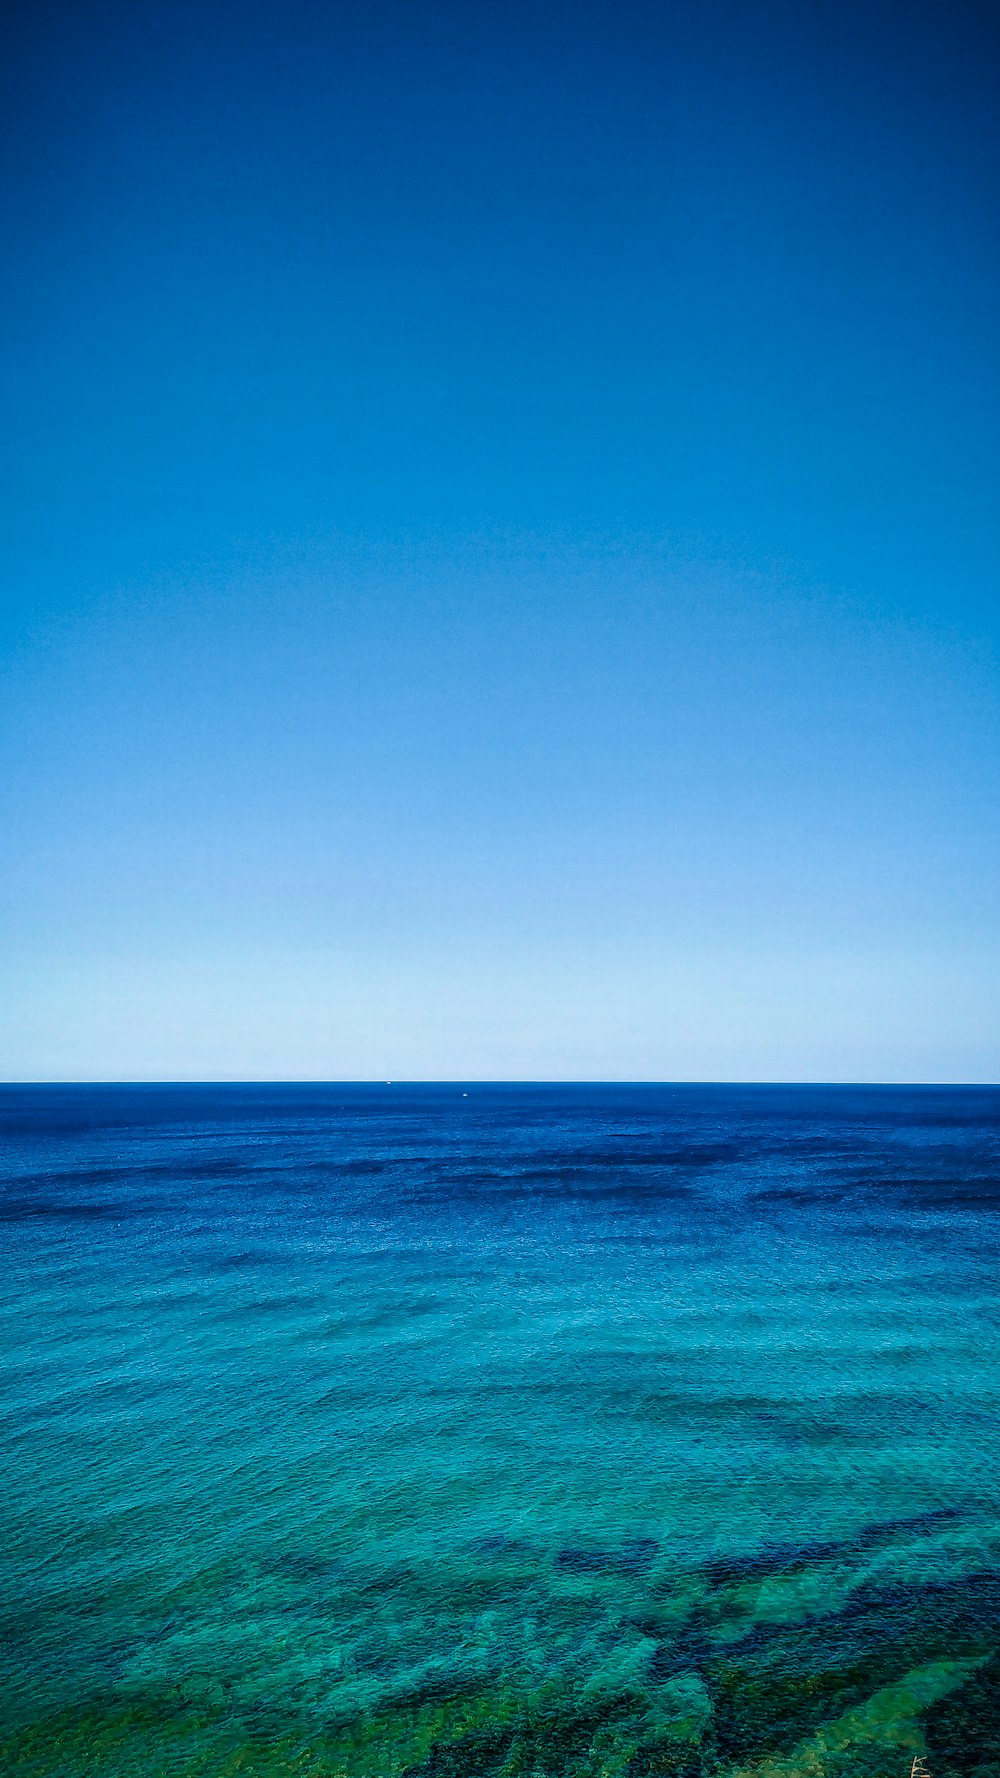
498 1429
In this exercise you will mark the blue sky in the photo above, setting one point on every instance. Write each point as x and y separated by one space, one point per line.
500 542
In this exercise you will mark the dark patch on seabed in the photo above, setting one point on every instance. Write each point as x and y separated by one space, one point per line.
499 1432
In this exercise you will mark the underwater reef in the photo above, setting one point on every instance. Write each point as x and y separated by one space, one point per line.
582 1662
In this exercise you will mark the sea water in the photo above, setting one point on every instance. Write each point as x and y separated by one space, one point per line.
467 1430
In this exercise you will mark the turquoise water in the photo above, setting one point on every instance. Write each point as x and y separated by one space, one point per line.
459 1431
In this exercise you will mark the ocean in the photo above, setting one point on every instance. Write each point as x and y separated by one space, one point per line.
469 1430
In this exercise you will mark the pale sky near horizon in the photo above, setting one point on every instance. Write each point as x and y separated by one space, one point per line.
500 542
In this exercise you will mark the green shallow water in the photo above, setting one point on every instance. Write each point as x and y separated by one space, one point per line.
542 1431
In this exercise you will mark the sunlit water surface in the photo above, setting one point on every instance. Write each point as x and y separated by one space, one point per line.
500 1430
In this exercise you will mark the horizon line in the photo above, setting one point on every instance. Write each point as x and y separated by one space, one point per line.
484 1081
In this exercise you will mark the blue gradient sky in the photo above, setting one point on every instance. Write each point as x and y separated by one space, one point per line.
500 541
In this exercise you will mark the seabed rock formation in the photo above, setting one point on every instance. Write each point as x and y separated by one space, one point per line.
589 1663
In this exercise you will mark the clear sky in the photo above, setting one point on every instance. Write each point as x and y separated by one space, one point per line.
500 540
